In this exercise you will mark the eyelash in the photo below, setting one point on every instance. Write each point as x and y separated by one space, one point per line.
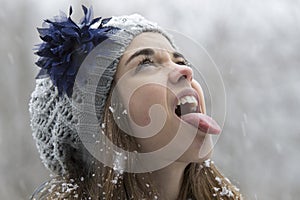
148 61
184 62
144 62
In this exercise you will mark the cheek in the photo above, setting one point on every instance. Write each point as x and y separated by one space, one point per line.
143 99
199 90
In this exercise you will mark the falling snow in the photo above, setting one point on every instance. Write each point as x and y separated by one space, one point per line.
124 112
216 189
218 179
207 163
262 94
119 162
111 109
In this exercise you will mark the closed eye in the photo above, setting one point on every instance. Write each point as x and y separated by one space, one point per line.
180 59
183 62
145 62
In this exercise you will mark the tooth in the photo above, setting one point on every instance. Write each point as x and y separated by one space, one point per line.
188 99
183 100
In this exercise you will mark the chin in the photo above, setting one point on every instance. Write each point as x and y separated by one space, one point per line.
199 151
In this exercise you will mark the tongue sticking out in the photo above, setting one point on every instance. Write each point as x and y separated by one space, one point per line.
203 122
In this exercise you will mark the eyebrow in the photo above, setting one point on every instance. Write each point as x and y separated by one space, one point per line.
145 52
150 52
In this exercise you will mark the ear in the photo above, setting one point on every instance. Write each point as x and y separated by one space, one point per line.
199 90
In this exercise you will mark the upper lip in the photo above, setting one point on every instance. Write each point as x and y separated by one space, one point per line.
187 92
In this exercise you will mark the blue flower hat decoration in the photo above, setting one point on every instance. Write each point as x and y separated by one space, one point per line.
66 44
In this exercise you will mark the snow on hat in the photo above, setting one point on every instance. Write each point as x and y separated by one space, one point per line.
66 44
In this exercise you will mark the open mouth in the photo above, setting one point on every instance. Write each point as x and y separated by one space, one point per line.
188 110
187 104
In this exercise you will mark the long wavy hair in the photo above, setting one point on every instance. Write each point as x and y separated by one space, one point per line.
200 182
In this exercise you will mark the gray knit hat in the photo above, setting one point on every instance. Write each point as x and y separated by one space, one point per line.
57 101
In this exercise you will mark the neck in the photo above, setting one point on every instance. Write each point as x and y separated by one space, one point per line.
169 180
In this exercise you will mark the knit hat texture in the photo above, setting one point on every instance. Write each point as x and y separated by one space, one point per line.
55 115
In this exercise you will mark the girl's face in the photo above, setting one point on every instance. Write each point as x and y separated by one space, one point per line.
152 78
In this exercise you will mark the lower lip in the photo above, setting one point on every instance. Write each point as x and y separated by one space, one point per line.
202 122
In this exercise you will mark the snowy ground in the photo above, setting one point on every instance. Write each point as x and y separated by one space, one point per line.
255 45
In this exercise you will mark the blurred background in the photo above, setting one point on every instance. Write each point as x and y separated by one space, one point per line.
255 45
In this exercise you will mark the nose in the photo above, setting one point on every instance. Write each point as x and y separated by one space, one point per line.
179 73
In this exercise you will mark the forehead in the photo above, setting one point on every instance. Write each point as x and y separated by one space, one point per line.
148 40
155 41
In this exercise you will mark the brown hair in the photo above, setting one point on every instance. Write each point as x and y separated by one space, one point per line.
102 182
